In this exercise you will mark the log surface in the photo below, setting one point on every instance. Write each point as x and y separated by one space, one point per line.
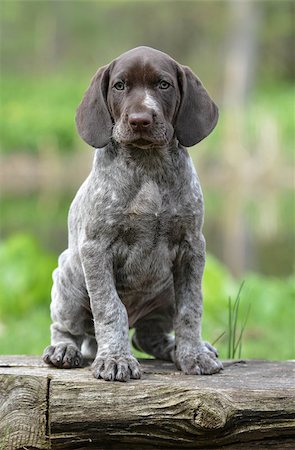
251 404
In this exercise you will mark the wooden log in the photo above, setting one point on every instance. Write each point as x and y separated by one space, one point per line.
251 404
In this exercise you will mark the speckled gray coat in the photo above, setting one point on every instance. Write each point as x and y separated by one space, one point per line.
136 252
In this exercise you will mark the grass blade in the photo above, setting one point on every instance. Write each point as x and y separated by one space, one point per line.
218 338
229 328
235 320
239 342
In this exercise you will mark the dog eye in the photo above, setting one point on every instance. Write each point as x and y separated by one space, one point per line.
164 84
119 86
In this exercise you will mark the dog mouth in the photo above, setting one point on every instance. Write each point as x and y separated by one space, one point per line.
145 139
147 142
143 143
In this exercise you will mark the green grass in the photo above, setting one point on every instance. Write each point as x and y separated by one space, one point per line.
235 336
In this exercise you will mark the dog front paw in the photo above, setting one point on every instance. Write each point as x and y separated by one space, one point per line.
200 361
64 356
116 368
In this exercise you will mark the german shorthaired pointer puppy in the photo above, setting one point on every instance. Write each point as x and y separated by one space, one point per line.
136 252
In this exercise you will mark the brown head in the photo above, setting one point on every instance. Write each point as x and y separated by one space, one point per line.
145 99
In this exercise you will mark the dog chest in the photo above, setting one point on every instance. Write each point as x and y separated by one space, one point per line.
157 214
149 234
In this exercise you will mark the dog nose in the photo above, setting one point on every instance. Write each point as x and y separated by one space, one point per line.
139 121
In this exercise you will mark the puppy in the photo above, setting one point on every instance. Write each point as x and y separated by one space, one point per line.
136 252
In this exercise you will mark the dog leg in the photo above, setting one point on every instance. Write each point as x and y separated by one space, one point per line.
152 332
70 312
192 355
113 359
64 351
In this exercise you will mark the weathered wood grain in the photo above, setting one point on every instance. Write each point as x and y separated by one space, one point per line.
23 411
249 405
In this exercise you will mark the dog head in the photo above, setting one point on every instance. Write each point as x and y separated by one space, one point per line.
144 99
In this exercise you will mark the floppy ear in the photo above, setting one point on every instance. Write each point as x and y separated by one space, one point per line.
93 119
197 114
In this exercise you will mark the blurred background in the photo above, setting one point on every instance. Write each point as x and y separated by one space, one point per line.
243 52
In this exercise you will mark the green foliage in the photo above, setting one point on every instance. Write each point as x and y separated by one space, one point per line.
47 36
39 113
271 106
27 334
270 328
45 217
268 333
25 281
